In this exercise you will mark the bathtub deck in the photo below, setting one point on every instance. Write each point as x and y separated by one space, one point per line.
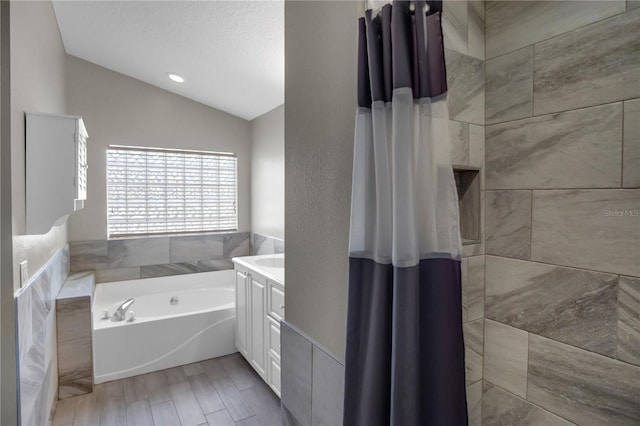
220 391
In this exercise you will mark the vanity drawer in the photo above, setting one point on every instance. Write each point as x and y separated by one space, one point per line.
274 337
276 301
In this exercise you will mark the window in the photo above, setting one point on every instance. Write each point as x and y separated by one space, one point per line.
152 191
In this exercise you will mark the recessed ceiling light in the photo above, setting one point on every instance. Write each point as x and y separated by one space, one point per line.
175 77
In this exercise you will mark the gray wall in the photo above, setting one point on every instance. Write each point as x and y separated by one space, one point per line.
119 110
267 173
37 85
562 334
320 101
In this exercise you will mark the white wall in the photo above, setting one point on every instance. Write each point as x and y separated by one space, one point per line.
37 85
120 110
320 104
37 64
267 173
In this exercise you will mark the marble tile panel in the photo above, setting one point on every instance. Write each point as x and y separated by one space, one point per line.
278 246
215 265
633 4
575 149
587 66
117 274
73 318
476 149
261 244
475 33
74 360
473 288
474 403
473 350
197 247
138 252
75 387
508 223
328 389
629 320
505 357
296 373
150 271
509 86
459 143
589 229
40 300
511 25
581 386
631 145
454 25
574 306
465 78
234 245
503 408
469 250
23 315
87 255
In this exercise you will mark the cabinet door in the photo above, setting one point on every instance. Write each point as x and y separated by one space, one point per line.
242 313
258 313
274 374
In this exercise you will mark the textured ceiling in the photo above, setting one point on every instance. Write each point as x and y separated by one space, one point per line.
231 53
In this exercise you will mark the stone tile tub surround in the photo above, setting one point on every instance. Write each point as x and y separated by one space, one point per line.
562 268
36 324
134 258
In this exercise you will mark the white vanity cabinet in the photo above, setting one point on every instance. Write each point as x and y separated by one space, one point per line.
56 169
259 310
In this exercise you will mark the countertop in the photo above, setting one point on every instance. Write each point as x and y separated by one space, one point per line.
253 262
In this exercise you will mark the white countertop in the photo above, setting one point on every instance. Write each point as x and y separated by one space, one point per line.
80 284
259 264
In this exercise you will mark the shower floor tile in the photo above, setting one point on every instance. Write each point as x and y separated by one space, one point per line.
219 391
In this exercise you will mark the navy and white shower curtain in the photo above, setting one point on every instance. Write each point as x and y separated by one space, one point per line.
405 352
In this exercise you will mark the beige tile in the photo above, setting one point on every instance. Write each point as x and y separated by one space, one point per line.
474 403
473 350
581 386
220 418
574 306
511 25
575 149
65 412
473 288
454 25
139 414
587 66
74 359
505 357
88 410
205 393
157 387
502 408
475 34
508 223
118 274
73 319
629 320
235 403
591 229
631 145
509 86
459 142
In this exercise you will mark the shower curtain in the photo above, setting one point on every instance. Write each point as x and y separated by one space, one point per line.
404 362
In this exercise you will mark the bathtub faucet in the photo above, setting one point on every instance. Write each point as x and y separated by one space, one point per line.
119 314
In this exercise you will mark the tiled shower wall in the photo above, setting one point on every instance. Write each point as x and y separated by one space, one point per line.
562 327
36 325
134 258
312 379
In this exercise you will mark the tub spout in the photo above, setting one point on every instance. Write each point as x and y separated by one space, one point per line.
119 314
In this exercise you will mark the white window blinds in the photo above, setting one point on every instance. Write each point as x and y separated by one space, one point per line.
154 191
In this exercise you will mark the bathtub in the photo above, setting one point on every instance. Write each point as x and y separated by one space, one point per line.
163 335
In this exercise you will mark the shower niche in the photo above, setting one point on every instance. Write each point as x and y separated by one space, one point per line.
468 186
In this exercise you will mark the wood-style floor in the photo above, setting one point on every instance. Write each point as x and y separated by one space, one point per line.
217 392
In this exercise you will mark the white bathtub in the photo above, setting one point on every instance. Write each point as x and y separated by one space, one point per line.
200 326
